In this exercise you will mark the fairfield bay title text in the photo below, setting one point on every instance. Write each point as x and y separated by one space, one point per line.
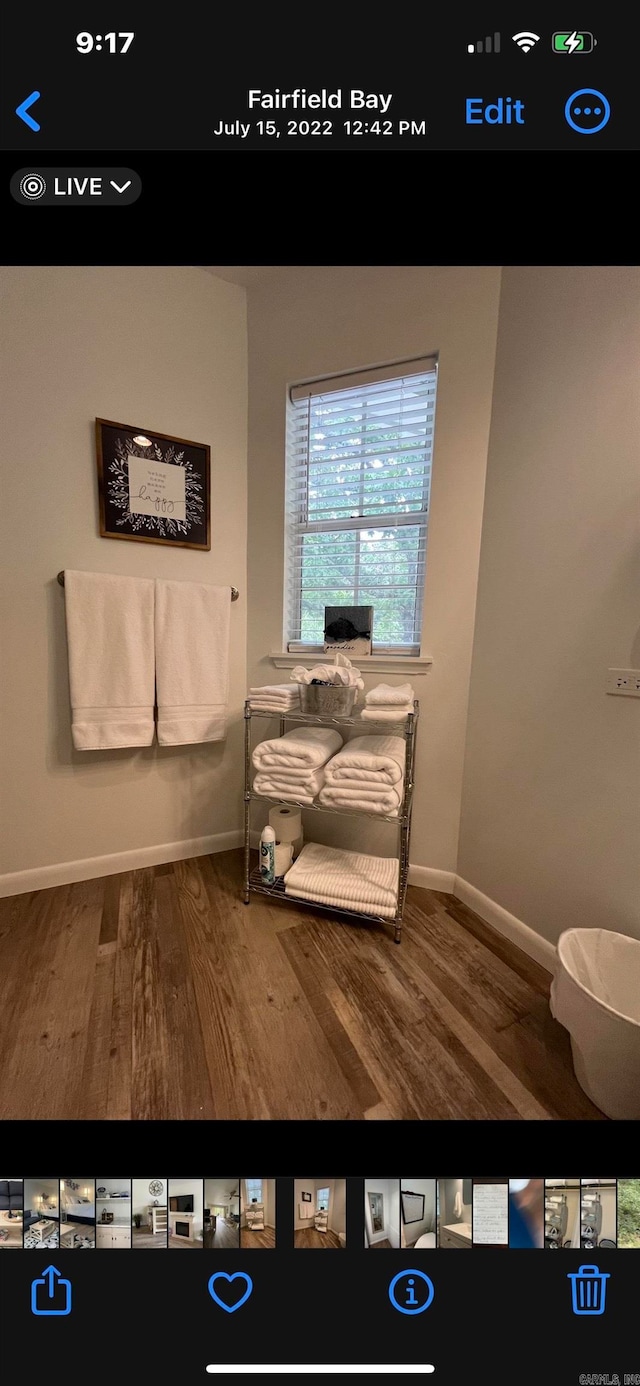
303 100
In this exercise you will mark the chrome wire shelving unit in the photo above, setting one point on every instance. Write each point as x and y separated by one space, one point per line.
253 883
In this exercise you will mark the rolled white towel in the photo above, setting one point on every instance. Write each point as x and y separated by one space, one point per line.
388 695
309 747
385 799
371 760
301 790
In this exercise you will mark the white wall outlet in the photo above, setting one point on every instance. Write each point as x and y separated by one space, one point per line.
625 681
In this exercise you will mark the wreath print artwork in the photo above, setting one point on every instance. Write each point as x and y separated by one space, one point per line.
118 488
152 486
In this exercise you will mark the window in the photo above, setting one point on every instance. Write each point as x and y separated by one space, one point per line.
322 1200
254 1190
358 474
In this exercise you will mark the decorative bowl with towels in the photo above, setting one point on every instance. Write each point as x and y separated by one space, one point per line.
333 699
329 689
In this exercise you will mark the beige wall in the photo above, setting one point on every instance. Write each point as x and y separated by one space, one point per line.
551 802
306 322
164 348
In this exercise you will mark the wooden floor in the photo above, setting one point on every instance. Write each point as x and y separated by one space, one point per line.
225 1237
260 1240
158 994
308 1236
375 1246
142 1237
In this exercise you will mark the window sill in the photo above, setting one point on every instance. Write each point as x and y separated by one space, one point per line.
376 663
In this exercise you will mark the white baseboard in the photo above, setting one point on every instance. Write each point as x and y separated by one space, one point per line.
65 872
507 924
427 877
431 879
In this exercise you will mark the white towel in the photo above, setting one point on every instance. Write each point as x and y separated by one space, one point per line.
192 661
278 709
375 713
386 799
389 695
301 789
369 761
110 647
285 693
350 880
302 747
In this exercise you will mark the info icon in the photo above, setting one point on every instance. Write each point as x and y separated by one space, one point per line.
411 1292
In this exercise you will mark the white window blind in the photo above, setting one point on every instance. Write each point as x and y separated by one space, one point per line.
322 1200
254 1190
358 474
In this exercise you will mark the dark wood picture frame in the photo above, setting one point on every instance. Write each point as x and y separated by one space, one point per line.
306 1198
114 444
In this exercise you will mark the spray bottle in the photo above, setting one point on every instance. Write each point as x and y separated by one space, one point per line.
268 855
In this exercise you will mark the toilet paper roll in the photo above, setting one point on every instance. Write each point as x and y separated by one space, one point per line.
284 857
286 821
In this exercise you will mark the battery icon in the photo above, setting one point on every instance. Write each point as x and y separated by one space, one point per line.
573 41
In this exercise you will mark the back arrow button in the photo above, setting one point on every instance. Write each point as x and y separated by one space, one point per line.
23 110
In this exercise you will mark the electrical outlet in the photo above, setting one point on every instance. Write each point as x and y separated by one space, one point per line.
625 681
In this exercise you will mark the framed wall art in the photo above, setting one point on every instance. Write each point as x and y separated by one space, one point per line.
153 487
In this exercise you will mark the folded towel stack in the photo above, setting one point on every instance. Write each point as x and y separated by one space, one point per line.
291 767
384 703
347 880
275 697
368 773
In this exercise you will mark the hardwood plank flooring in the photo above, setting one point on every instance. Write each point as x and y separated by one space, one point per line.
142 1237
225 1238
158 994
377 1246
258 1240
309 1236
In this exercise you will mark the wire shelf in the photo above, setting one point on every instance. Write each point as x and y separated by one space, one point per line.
397 818
355 719
277 892
401 820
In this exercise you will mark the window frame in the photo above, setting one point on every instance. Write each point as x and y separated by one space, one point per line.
295 528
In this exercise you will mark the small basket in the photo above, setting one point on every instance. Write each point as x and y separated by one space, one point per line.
327 699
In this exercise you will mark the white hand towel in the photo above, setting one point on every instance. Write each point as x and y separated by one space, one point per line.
376 713
388 695
352 880
303 746
379 760
110 647
192 661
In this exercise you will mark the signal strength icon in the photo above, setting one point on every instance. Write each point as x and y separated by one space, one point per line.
526 41
487 45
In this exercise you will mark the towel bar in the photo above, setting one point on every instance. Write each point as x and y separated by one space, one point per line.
234 590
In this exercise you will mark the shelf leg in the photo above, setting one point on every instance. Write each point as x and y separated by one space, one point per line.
398 931
247 798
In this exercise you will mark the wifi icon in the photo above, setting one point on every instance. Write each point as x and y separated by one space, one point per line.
526 40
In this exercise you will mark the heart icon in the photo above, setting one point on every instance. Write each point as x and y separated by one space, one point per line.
238 1275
